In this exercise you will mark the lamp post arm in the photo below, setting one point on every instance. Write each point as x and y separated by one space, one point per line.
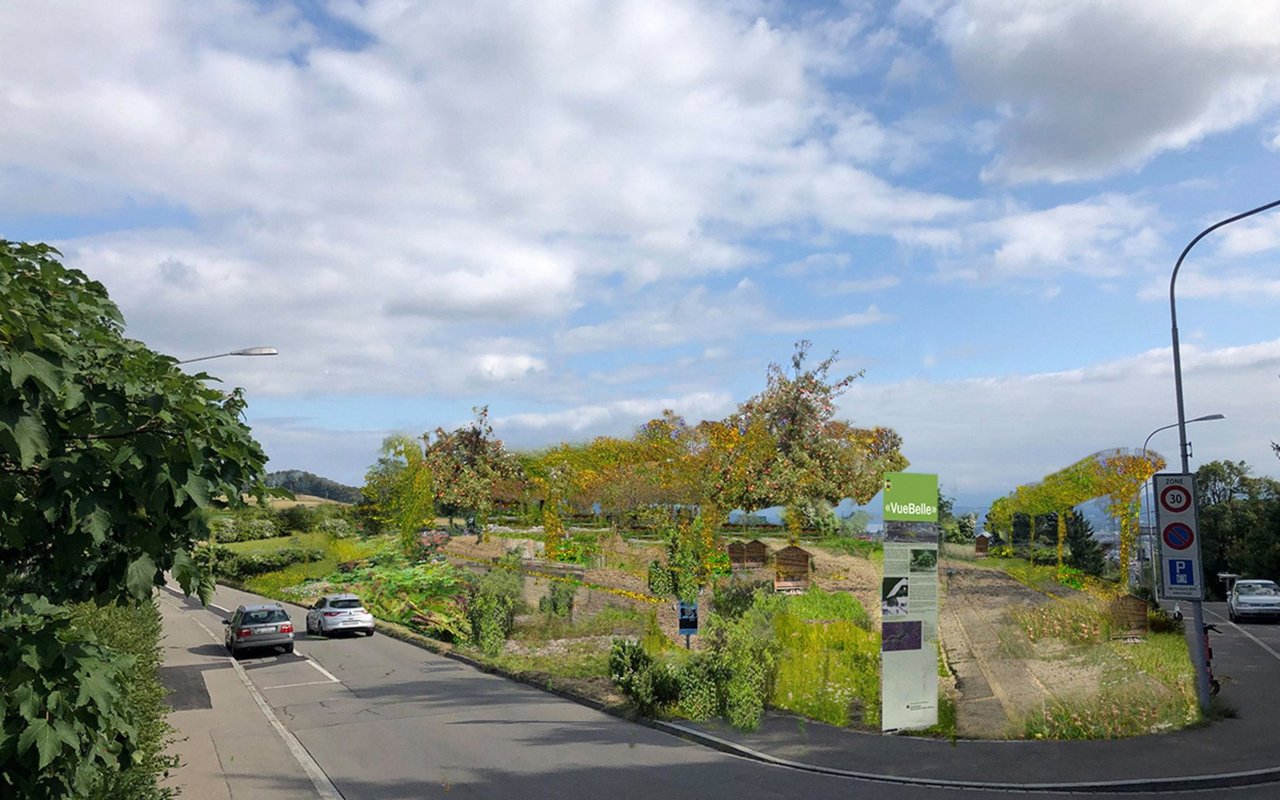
1173 317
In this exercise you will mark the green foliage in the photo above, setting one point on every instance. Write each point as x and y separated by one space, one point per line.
648 684
1084 552
108 451
559 600
244 525
853 546
580 548
70 724
239 566
733 598
492 605
822 606
297 518
466 464
699 680
661 582
829 671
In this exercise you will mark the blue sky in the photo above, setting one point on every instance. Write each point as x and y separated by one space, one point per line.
580 214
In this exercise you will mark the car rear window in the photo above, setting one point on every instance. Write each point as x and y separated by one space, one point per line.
264 617
350 602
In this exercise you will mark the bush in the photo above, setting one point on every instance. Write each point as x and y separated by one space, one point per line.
648 684
336 527
731 599
698 682
661 581
83 714
559 601
239 566
297 519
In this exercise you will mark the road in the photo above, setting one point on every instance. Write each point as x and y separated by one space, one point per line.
383 719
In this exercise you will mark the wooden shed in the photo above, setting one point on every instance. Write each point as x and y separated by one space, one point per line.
748 555
792 569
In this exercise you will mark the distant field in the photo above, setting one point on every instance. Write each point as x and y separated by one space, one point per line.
304 500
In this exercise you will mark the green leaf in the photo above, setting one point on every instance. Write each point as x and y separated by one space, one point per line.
98 524
32 440
141 577
47 741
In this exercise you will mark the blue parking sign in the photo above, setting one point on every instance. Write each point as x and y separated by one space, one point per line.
1181 572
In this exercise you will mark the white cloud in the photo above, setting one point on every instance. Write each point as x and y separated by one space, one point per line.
1050 420
617 418
1090 88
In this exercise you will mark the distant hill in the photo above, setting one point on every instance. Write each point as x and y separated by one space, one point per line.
301 482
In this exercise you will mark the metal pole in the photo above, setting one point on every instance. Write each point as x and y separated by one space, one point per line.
1197 606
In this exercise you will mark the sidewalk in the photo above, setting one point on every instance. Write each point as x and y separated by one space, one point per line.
228 747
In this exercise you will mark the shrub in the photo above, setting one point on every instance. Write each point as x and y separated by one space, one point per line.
698 682
336 527
731 599
239 566
80 718
649 685
297 518
661 582
559 601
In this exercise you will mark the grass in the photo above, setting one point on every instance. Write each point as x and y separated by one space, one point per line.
314 539
828 671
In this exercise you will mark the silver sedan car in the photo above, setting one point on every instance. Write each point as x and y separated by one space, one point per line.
339 612
256 627
1253 599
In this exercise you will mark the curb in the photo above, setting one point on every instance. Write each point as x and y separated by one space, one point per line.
1226 780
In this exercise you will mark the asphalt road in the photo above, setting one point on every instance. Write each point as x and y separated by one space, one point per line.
384 719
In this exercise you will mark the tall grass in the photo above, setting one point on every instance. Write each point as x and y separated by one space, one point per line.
828 671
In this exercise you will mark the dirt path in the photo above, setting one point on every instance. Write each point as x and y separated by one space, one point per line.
1001 676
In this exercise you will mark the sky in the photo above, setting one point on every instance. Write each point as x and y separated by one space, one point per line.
581 213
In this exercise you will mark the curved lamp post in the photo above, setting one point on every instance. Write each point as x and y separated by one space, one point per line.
1197 607
248 351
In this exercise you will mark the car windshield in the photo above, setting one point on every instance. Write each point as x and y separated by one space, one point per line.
346 602
264 616
1268 589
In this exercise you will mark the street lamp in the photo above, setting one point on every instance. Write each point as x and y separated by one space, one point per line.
248 351
1151 502
1197 607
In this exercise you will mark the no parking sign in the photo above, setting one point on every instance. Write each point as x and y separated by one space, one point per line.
1181 576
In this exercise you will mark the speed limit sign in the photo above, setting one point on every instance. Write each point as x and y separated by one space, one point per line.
1175 499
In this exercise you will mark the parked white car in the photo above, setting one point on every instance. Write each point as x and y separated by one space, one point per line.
339 612
1251 599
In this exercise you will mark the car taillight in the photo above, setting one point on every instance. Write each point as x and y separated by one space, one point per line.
287 627
333 613
243 632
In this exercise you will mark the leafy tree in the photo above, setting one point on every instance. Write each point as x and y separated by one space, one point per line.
109 457
816 456
109 453
1220 482
465 465
398 490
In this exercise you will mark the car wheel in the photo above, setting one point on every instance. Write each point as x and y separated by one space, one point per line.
1231 614
288 648
231 648
369 632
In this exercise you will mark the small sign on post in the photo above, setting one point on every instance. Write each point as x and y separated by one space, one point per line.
688 620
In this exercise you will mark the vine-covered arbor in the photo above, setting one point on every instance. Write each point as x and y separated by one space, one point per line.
1117 474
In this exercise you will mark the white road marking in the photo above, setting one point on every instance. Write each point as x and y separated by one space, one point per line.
324 671
292 685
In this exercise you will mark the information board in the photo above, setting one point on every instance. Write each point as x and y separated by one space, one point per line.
909 603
